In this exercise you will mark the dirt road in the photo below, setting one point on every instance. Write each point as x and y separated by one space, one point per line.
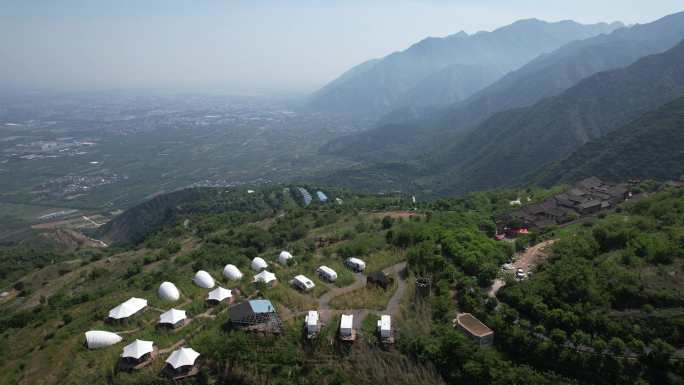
525 260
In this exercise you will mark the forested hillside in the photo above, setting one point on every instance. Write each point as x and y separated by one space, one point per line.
649 147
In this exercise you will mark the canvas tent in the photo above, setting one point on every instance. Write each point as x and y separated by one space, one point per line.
203 280
327 273
284 257
182 357
128 308
137 349
265 276
311 322
232 272
96 339
173 317
258 264
168 292
385 326
346 325
303 283
219 294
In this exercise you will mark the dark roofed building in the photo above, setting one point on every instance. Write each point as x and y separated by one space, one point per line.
257 313
379 278
474 328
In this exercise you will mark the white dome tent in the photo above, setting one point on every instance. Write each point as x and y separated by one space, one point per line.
203 280
259 264
182 357
137 349
284 258
219 294
168 292
173 317
128 308
265 276
232 272
96 339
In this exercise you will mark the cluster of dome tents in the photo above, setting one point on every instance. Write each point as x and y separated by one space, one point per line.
183 360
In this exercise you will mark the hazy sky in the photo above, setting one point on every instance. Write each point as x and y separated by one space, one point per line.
241 45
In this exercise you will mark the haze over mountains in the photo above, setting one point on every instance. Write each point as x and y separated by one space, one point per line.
488 140
439 71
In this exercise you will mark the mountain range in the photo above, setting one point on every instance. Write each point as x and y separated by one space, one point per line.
439 71
405 135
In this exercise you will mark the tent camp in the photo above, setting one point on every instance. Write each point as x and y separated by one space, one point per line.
203 280
219 294
168 292
232 272
173 318
284 258
347 331
182 362
258 264
303 283
327 273
128 308
265 276
311 323
355 264
385 328
137 352
96 339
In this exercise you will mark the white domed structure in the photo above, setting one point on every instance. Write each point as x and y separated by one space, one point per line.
259 264
96 339
284 257
168 292
203 280
232 272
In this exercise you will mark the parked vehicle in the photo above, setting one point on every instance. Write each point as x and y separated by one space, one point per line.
355 264
327 273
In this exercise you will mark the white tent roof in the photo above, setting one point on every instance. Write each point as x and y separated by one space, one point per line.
259 264
312 318
203 280
346 321
328 271
128 308
182 357
172 316
219 294
137 349
357 261
303 280
168 291
232 272
284 257
265 276
385 322
99 339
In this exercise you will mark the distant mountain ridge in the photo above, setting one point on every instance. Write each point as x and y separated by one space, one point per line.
439 70
546 76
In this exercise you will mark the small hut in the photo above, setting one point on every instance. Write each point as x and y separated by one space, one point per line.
182 363
173 319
